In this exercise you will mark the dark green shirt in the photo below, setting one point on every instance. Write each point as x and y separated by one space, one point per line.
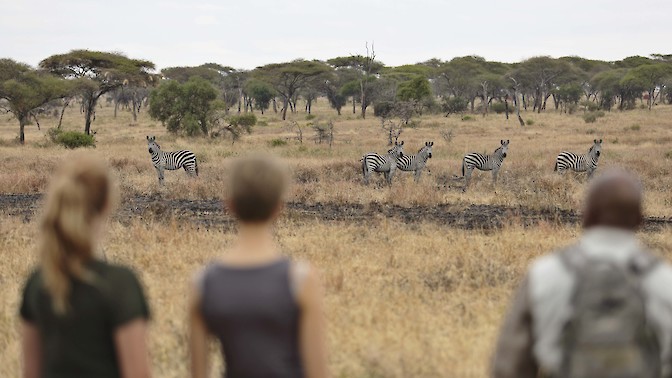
81 342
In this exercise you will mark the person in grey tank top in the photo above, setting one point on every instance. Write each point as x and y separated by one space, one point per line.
264 309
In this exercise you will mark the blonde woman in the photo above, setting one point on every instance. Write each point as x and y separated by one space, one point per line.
265 310
81 317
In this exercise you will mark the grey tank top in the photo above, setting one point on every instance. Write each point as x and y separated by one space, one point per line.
255 316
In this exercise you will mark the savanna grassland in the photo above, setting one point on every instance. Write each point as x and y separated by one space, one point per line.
405 296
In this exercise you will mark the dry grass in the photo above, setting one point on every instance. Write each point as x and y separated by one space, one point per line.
402 300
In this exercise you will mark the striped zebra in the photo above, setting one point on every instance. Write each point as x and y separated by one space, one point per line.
171 160
492 162
417 162
373 162
580 163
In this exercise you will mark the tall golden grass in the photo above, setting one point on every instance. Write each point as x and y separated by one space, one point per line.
402 300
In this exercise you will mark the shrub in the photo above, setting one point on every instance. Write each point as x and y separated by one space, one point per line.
277 142
468 118
590 117
310 117
71 139
498 107
244 120
529 122
589 105
635 127
383 108
455 105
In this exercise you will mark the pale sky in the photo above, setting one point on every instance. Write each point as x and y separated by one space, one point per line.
249 33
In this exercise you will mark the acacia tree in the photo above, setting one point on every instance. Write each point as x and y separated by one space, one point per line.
289 78
366 68
184 107
261 93
24 90
650 77
98 73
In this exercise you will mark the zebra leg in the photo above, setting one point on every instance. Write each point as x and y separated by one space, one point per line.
417 175
159 170
495 172
467 177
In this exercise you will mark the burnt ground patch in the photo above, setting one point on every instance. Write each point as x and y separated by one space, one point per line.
211 213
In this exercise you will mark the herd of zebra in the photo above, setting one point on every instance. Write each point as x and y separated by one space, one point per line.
397 159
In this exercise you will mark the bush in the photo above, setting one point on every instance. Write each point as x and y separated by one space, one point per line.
277 142
589 105
591 117
635 127
71 139
529 122
468 118
498 107
244 120
310 117
455 105
383 108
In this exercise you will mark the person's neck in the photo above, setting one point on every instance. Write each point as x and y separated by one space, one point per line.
255 245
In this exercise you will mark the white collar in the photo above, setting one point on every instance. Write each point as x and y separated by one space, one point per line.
608 242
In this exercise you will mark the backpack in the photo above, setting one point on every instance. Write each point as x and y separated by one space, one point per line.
607 334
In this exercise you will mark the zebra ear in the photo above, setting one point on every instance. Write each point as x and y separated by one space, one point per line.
502 141
147 137
600 141
431 143
507 141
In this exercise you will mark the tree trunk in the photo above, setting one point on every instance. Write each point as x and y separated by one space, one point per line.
284 109
275 106
60 119
88 113
338 110
116 106
354 108
506 107
22 125
363 98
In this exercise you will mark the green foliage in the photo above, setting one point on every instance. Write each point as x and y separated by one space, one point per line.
498 107
261 93
25 90
71 139
468 118
591 117
635 127
455 105
244 120
277 142
183 107
310 117
589 105
383 109
529 122
414 90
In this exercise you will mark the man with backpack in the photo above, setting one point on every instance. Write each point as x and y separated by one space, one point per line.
599 308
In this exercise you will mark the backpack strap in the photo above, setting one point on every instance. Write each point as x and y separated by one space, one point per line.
640 264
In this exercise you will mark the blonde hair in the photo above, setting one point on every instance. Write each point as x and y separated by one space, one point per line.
80 193
256 188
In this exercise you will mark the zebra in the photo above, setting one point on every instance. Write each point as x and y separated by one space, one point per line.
373 162
580 163
417 162
483 162
171 160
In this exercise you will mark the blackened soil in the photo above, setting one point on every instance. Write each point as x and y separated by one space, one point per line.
212 214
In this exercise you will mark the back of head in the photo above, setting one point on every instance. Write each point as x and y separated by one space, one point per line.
614 199
79 197
256 188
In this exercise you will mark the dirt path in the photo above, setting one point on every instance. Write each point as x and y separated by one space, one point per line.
211 213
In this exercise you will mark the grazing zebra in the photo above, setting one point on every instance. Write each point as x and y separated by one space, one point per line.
417 162
491 162
580 163
372 162
171 160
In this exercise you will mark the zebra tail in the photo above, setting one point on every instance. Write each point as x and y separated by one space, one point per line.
196 165
462 167
556 166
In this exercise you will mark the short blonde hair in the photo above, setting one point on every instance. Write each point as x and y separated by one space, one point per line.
257 186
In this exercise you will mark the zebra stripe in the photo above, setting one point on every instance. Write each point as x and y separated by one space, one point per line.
580 163
387 164
492 162
171 160
417 162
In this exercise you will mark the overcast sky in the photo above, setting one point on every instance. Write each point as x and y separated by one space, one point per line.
249 33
